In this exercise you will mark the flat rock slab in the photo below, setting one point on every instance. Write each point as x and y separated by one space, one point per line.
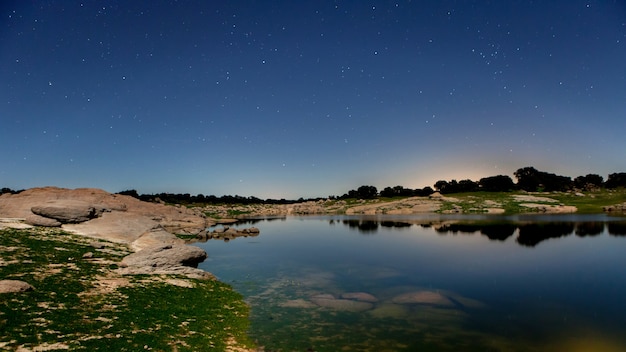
120 227
11 286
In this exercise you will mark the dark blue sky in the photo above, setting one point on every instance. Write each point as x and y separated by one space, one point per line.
307 98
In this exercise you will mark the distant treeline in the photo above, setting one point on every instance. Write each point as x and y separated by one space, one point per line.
187 198
528 179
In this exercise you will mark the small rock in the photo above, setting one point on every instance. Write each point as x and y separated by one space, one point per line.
97 245
88 255
10 286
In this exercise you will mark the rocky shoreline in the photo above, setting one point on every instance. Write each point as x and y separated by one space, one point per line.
145 236
157 234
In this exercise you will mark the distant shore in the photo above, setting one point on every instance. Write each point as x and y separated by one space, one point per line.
613 201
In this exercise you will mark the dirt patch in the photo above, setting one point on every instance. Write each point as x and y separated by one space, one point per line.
533 199
552 209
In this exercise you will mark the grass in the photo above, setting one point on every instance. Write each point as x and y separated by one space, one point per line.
587 203
591 202
82 304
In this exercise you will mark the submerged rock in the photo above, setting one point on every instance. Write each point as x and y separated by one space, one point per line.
390 310
359 296
297 303
328 301
423 297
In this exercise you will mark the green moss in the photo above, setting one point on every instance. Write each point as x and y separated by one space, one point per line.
234 213
66 306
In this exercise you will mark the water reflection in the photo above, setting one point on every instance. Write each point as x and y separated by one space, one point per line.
430 283
617 228
528 234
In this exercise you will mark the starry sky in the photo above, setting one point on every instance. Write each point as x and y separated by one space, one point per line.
288 99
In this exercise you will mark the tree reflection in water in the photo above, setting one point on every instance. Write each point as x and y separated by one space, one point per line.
528 234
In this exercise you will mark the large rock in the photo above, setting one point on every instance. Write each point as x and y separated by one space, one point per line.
9 286
68 211
166 259
162 256
155 237
37 220
120 227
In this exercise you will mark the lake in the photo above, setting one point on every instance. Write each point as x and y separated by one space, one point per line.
431 282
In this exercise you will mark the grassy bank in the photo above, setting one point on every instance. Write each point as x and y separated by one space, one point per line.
81 303
585 203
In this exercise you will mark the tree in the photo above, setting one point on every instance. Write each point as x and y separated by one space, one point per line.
6 190
131 192
532 180
441 185
589 181
367 192
387 192
467 186
500 183
397 191
528 179
424 192
616 180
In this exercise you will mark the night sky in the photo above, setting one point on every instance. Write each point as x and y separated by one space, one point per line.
283 99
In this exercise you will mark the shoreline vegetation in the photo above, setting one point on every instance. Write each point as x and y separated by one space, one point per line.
80 301
115 271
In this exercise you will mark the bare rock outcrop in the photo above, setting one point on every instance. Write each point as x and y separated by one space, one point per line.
97 213
147 228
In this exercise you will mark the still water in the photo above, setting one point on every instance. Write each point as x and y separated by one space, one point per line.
431 282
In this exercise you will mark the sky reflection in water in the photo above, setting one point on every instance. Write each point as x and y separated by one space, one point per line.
510 283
